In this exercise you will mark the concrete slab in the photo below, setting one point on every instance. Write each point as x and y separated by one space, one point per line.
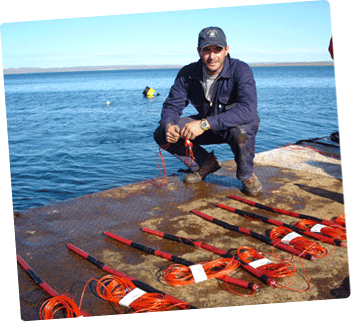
43 233
302 158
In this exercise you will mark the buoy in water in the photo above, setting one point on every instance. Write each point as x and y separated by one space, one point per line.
150 92
108 103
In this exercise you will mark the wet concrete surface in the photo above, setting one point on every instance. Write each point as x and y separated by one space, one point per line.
43 233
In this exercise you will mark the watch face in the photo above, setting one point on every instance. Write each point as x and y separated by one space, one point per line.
204 125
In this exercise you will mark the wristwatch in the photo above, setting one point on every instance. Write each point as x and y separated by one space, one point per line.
204 125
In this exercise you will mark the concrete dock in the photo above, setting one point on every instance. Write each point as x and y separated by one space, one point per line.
300 178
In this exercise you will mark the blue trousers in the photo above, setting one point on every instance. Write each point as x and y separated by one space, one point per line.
241 140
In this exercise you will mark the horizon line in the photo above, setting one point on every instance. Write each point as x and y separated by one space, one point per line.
30 70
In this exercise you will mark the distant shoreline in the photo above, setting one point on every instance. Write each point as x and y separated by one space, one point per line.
34 70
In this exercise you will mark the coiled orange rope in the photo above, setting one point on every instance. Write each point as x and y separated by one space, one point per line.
284 268
64 303
180 275
340 220
281 269
300 243
336 231
114 289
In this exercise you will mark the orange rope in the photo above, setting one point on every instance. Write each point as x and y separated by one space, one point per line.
336 231
64 303
340 220
114 289
189 152
153 302
162 181
277 270
293 146
246 253
333 155
180 275
307 279
300 243
292 259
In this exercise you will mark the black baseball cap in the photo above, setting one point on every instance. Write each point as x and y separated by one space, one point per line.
212 36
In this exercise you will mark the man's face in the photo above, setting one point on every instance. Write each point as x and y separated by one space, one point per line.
213 58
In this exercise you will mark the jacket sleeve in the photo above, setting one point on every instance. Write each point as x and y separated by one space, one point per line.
176 101
244 109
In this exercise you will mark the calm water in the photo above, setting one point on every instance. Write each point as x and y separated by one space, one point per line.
65 142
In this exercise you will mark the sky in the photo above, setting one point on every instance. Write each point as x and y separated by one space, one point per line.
283 32
40 33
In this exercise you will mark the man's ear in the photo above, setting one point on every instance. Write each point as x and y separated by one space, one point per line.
199 51
226 50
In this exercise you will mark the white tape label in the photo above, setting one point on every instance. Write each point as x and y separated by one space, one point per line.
131 297
317 228
289 237
260 262
198 273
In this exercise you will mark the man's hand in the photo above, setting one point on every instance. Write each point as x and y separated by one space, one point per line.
172 133
191 130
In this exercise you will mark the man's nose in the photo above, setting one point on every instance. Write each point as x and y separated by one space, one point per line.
212 54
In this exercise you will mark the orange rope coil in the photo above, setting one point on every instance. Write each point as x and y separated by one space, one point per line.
340 220
180 275
298 242
337 232
284 268
281 269
64 303
114 289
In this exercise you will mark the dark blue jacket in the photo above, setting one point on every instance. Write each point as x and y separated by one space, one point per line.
233 102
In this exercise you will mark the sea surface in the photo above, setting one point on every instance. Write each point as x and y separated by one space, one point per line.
65 141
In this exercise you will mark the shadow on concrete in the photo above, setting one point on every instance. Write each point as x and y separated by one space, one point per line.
335 196
217 179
